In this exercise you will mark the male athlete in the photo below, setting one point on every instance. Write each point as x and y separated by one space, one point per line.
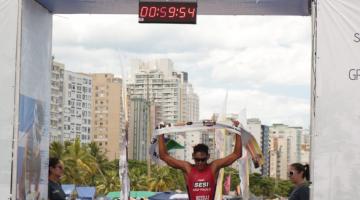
201 177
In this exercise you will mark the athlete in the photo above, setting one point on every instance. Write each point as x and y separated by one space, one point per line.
201 177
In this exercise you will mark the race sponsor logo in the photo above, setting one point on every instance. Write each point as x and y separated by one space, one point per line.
201 184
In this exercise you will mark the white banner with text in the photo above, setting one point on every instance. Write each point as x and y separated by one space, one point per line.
336 97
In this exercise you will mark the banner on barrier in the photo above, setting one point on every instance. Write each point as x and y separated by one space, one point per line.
32 142
336 117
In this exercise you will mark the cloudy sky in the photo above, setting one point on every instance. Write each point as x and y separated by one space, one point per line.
262 61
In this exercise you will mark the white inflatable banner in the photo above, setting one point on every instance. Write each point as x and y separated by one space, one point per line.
336 101
34 103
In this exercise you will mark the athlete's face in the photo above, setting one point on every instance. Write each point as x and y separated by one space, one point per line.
200 159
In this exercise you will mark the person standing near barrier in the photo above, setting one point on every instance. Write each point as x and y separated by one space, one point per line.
56 171
299 174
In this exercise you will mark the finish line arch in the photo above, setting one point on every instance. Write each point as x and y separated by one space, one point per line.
26 36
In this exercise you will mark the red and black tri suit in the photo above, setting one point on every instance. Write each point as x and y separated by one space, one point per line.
201 185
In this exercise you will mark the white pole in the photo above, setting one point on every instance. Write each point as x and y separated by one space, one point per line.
16 100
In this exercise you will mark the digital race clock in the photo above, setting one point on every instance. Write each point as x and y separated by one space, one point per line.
167 12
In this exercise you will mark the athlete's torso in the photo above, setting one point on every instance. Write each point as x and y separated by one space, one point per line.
201 184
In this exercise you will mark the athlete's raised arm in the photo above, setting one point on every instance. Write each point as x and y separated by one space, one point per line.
171 161
228 160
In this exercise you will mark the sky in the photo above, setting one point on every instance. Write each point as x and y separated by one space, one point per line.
262 62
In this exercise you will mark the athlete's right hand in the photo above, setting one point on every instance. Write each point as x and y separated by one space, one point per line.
235 122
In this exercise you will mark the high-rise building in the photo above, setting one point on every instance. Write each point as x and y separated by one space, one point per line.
168 91
139 119
209 140
286 147
108 123
265 147
77 107
158 82
279 150
261 134
56 104
254 126
190 103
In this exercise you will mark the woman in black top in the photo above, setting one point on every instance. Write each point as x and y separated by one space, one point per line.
56 171
299 174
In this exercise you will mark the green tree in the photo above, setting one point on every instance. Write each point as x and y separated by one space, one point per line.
101 162
283 188
138 179
137 164
160 180
57 150
109 183
178 180
80 166
256 184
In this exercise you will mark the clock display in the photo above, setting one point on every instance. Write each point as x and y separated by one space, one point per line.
167 12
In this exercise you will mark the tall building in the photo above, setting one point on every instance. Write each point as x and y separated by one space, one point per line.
108 123
77 107
192 106
158 82
56 104
261 134
168 91
286 147
139 119
209 140
265 147
279 150
254 126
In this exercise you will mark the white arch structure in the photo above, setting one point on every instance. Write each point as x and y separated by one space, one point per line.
25 60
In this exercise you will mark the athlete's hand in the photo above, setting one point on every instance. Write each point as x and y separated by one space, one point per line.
256 160
160 125
235 122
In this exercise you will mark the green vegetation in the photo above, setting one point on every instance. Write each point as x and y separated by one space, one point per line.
269 187
88 165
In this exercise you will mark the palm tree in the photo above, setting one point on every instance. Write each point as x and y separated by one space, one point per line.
178 179
138 179
110 182
57 150
102 162
80 166
161 179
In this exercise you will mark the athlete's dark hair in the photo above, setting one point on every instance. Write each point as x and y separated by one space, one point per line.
201 148
53 161
302 168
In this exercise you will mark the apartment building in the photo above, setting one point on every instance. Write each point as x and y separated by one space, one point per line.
77 93
56 102
108 123
170 93
286 147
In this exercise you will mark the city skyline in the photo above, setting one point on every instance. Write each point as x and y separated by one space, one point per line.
263 63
